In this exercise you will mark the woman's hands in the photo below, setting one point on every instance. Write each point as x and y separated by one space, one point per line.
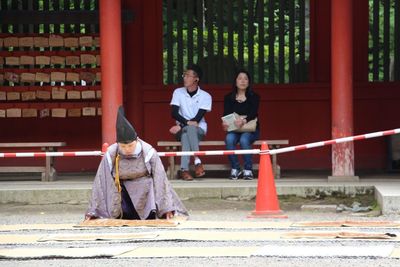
225 126
240 122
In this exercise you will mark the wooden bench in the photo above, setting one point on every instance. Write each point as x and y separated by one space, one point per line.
172 146
48 171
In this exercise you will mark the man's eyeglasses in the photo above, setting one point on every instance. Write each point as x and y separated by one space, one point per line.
187 75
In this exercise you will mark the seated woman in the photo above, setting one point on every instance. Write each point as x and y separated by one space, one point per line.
243 101
131 182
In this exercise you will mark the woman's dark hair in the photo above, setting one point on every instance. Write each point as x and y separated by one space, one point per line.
249 91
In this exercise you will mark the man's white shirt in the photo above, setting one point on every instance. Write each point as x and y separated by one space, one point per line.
189 106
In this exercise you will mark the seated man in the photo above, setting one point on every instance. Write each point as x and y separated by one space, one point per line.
131 182
189 105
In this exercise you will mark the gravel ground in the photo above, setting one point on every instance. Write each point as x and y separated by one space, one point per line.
200 210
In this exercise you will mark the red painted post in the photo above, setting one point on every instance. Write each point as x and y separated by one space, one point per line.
111 66
342 86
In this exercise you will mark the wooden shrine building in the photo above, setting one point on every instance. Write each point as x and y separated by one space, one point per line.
323 69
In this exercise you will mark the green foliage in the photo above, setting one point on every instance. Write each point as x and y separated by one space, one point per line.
381 36
240 27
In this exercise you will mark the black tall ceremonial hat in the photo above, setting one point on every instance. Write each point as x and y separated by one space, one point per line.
125 131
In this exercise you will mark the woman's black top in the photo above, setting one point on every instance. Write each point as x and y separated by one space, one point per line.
248 107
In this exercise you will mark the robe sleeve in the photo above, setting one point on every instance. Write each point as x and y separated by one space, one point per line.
165 196
105 201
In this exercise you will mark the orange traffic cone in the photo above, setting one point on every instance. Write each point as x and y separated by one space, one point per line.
267 204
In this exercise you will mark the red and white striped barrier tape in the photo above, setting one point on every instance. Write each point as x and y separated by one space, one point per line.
209 153
281 150
212 152
99 153
50 154
331 142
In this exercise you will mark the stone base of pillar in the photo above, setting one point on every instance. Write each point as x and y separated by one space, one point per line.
343 179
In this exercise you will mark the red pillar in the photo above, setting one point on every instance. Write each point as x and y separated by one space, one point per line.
111 66
342 87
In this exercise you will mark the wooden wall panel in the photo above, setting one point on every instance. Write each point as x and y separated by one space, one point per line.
79 134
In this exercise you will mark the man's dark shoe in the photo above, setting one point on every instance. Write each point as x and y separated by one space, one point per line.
185 175
199 170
